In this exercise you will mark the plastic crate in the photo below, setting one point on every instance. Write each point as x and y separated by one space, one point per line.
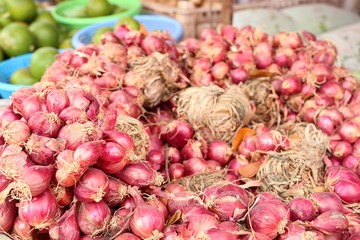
7 68
151 23
133 7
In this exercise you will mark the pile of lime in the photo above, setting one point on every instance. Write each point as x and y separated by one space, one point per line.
41 59
93 8
26 26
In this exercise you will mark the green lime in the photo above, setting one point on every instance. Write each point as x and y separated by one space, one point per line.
22 76
22 10
45 34
41 59
99 32
45 16
16 39
76 12
66 43
5 19
98 8
118 9
130 22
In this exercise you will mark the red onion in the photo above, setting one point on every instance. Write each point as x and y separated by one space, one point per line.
220 70
66 227
36 179
16 132
291 84
77 133
198 225
93 217
202 64
268 218
332 89
284 57
194 166
238 75
39 211
256 236
120 220
68 170
219 151
44 124
176 171
288 39
127 236
191 211
22 230
193 149
330 222
4 181
266 142
73 114
173 155
241 60
340 149
356 148
64 196
7 115
147 221
152 200
156 158
349 131
32 104
116 193
92 186
344 182
122 138
218 234
228 226
175 188
236 163
352 162
293 231
42 150
263 55
326 124
229 202
181 200
88 153
14 161
302 209
140 174
177 133
152 43
57 100
8 213
247 146
115 155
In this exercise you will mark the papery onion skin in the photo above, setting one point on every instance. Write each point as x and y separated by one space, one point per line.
45 124
344 182
302 209
66 227
38 178
16 132
92 186
139 174
8 213
219 151
40 210
330 222
127 236
147 220
116 193
93 217
88 153
22 230
177 133
268 218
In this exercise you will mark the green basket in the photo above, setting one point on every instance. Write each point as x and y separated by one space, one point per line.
133 7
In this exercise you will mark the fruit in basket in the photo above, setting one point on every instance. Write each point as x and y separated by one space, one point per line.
22 10
98 8
22 76
97 35
16 39
41 59
130 22
45 16
45 34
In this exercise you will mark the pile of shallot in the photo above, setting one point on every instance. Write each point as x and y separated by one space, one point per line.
235 135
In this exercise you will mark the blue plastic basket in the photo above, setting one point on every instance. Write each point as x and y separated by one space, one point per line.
151 23
7 68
